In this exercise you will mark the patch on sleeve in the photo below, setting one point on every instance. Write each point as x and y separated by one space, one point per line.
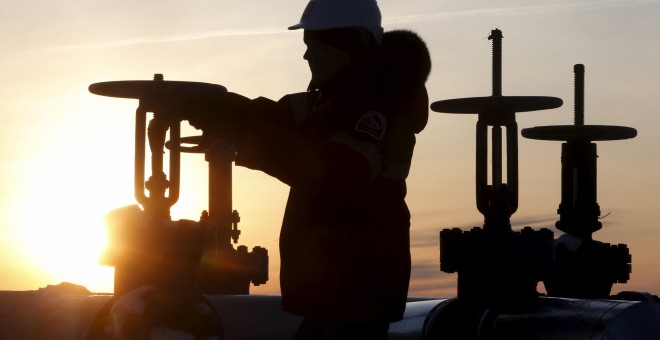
372 123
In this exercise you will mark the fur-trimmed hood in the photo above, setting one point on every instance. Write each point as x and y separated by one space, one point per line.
406 58
404 67
393 73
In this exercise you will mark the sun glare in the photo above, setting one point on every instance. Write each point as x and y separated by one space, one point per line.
67 248
57 217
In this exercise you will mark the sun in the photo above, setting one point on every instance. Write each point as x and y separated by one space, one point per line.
66 249
58 216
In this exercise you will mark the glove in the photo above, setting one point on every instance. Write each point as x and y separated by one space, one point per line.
225 117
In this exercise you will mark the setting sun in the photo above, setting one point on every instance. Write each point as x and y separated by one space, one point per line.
57 216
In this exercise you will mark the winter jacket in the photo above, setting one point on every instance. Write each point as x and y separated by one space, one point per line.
345 151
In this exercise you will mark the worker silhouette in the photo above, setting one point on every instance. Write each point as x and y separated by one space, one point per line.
344 147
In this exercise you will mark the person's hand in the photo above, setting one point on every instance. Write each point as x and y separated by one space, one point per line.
202 113
224 117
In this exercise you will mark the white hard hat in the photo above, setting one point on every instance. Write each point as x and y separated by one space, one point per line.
329 14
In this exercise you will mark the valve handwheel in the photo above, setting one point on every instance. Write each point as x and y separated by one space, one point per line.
138 89
496 103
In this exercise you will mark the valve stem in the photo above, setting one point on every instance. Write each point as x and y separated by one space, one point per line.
578 69
496 37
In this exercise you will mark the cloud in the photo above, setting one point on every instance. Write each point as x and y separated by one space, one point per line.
403 19
424 239
429 237
428 280
168 39
537 221
521 10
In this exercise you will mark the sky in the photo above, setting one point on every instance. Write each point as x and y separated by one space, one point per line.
66 155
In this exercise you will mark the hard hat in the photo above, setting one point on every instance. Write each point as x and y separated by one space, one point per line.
329 14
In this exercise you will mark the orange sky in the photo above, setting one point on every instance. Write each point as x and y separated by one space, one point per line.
66 155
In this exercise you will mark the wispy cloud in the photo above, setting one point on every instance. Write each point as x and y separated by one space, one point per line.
404 19
521 10
168 39
546 221
428 280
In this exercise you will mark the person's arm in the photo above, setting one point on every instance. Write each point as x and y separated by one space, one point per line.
347 161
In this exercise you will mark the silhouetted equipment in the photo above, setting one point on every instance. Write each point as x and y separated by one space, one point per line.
225 270
498 268
180 259
496 251
232 270
589 268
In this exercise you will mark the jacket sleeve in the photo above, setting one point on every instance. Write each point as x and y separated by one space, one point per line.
346 161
